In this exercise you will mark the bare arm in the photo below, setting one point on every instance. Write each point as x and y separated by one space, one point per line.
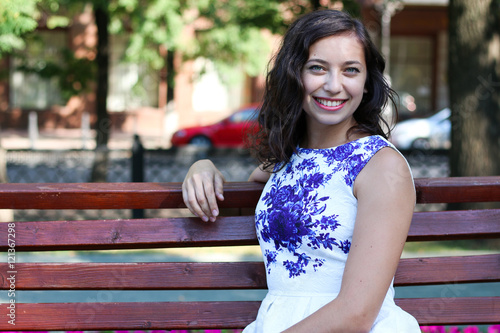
259 175
386 199
203 186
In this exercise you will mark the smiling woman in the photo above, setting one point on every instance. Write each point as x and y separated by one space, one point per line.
336 208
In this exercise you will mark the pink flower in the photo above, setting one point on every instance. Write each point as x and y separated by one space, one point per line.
471 329
433 329
494 329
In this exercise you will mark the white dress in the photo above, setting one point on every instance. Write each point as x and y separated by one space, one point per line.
305 220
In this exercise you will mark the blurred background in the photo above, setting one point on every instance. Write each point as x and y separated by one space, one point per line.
137 90
101 69
95 74
89 87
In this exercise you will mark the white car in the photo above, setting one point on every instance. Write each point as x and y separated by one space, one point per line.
424 133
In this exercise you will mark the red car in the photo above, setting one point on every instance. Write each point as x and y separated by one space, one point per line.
229 132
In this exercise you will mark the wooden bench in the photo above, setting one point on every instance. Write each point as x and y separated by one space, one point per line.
449 308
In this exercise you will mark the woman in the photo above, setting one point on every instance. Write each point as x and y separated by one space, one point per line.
335 212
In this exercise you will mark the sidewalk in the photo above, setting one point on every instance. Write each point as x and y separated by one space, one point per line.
72 139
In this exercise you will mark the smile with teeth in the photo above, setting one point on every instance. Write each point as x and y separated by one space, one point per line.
330 103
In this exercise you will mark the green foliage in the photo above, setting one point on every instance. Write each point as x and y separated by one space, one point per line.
57 21
17 17
253 13
226 32
151 24
352 7
231 35
74 75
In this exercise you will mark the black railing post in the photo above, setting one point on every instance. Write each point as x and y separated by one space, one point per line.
137 170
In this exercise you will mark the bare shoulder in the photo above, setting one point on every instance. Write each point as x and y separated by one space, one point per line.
388 159
387 170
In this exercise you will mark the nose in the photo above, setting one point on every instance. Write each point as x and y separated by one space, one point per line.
333 83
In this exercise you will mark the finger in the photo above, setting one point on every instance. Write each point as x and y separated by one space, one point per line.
187 197
203 191
219 186
191 199
212 209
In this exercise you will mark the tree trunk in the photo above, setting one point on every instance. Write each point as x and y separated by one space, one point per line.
474 82
170 75
103 124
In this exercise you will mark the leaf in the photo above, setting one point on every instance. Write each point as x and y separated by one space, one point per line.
58 22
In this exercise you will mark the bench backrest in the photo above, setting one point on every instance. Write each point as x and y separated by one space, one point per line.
233 230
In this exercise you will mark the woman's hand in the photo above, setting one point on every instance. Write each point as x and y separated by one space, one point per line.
201 189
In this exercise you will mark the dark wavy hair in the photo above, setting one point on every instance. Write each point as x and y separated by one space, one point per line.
281 120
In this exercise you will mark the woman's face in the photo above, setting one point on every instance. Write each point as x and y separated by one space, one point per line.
334 78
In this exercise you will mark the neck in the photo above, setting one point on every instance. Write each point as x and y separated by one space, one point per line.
330 136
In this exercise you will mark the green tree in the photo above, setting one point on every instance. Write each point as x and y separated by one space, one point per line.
474 82
17 18
226 32
155 30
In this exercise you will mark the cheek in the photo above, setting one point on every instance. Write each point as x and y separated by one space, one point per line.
357 88
310 84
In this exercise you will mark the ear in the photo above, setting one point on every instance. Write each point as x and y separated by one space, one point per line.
365 90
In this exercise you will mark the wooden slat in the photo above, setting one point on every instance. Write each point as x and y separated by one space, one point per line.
129 316
235 230
139 276
226 275
458 189
453 225
453 310
115 195
448 270
218 315
130 234
237 194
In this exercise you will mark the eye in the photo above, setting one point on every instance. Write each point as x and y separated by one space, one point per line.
352 70
316 68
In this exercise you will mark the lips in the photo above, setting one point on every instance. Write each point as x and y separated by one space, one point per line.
330 104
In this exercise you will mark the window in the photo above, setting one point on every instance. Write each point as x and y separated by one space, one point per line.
29 90
411 74
131 85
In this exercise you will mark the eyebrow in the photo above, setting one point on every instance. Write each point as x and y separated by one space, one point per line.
349 62
353 62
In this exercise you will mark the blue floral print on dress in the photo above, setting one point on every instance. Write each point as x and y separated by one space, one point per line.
293 218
